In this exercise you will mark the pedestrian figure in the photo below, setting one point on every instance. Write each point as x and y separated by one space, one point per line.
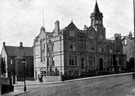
40 78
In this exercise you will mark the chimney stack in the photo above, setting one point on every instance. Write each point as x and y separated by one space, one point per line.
21 44
4 44
57 27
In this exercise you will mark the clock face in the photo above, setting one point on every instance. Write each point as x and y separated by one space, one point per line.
96 21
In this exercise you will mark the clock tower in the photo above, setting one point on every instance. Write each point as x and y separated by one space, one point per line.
96 17
97 23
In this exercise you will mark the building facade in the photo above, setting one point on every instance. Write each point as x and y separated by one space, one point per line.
12 62
129 50
71 51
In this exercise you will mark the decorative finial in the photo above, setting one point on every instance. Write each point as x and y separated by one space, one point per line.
71 21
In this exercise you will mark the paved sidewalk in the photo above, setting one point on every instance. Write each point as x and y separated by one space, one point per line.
18 91
21 83
15 93
30 83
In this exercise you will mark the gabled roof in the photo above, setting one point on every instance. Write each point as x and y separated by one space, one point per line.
71 26
18 51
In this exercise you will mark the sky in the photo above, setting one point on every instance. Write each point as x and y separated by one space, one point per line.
21 20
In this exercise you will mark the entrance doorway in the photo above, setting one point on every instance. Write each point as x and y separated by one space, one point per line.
101 64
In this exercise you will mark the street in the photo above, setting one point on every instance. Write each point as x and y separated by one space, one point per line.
113 86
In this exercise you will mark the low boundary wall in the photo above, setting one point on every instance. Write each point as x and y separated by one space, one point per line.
104 76
51 78
6 85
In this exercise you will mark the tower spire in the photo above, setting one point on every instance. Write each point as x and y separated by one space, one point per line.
43 18
96 9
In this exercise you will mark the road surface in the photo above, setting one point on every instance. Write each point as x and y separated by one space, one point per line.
120 86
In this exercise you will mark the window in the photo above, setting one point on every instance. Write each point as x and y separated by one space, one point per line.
101 49
125 42
73 60
72 47
91 61
118 49
111 61
72 34
91 48
42 50
101 37
50 46
11 61
53 62
82 63
91 36
121 61
100 22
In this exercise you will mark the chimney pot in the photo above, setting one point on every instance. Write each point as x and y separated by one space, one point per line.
4 44
57 27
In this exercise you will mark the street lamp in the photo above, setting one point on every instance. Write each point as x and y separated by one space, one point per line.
24 65
134 35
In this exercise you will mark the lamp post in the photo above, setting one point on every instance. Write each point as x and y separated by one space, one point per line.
24 65
134 34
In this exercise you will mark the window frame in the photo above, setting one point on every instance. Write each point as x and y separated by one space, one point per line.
72 33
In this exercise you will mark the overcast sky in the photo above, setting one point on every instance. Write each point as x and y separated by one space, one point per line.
21 20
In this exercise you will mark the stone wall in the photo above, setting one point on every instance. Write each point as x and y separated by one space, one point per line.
51 78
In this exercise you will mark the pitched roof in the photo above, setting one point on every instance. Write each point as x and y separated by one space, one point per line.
71 26
96 11
18 51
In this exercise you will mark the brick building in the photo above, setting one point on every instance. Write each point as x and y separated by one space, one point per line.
71 51
13 65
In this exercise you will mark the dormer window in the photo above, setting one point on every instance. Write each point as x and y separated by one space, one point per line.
72 34
125 42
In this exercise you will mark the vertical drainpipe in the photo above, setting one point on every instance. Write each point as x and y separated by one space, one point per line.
60 58
46 56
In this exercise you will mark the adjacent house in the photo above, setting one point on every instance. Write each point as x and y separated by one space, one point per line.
12 61
129 50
